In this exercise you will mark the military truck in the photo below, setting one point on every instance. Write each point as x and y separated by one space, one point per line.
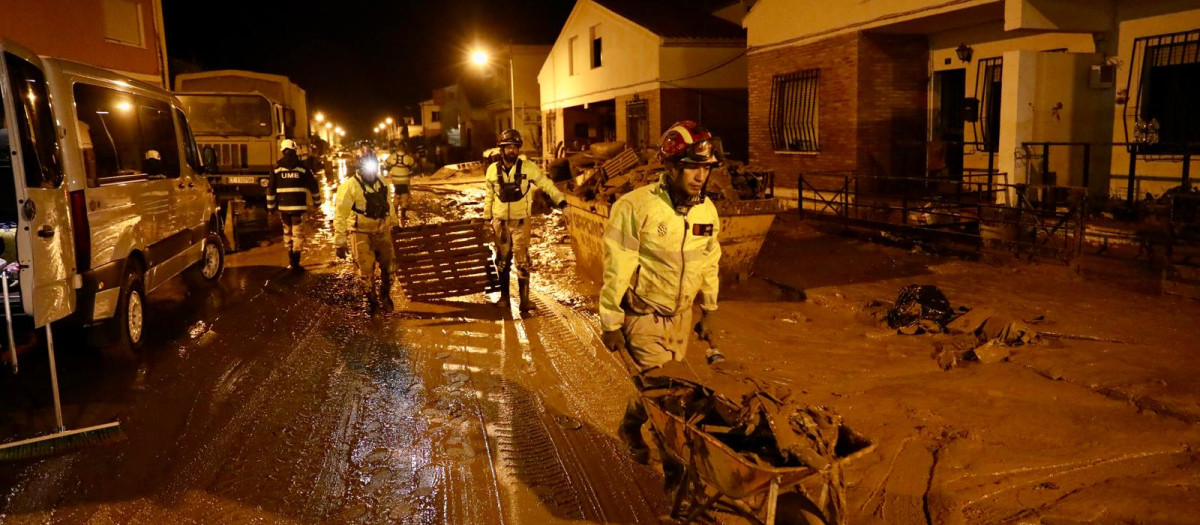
239 119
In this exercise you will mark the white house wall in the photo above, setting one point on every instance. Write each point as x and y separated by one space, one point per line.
630 60
990 41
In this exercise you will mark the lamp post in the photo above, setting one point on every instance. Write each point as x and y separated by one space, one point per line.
481 58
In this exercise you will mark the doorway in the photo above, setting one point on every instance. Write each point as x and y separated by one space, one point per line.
948 123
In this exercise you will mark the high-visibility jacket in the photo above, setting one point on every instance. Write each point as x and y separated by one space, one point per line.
291 187
362 207
518 180
657 259
399 168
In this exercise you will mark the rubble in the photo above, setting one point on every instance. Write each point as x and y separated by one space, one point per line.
610 172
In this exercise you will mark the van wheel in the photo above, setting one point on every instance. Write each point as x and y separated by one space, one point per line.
211 265
129 322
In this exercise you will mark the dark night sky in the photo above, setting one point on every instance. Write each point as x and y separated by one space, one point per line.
358 60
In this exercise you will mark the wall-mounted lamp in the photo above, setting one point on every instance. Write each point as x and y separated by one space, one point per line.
964 52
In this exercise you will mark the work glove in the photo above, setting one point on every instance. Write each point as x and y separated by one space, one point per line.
704 327
342 251
561 204
614 340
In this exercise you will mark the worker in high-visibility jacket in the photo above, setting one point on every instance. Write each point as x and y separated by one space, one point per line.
362 223
291 189
510 182
660 250
399 169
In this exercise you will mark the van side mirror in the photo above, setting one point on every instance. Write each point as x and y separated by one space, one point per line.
209 159
289 118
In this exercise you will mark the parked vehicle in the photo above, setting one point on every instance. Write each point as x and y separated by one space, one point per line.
104 193
243 116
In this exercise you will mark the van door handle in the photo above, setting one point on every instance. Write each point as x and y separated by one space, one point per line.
45 231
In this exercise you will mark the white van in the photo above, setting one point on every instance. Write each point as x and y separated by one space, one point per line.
101 187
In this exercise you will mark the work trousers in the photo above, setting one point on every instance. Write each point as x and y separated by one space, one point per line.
370 248
653 340
512 242
293 231
401 196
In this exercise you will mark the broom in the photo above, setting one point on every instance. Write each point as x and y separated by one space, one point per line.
61 439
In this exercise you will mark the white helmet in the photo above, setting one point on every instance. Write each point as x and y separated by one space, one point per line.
287 144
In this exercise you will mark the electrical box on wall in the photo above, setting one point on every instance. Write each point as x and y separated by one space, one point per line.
970 109
1102 76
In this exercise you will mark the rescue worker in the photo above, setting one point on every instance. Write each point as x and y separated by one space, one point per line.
399 168
291 188
510 181
363 223
660 250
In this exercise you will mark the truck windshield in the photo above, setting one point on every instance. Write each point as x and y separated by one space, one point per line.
229 115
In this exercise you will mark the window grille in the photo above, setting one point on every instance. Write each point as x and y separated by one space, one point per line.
794 99
1164 85
987 90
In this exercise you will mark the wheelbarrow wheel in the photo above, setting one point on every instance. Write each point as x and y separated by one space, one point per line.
793 508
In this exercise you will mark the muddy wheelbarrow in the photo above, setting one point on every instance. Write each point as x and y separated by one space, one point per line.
716 477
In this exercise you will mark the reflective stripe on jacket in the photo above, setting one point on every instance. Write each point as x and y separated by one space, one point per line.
533 176
291 187
656 259
399 168
350 205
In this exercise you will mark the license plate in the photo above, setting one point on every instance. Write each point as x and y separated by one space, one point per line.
242 180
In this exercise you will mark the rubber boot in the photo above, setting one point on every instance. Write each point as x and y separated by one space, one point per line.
294 261
630 433
385 294
504 293
372 300
523 288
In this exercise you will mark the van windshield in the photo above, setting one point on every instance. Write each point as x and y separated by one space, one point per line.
228 115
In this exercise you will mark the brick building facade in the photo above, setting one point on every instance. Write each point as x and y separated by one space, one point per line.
871 106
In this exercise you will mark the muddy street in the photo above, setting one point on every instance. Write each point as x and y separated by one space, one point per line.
273 398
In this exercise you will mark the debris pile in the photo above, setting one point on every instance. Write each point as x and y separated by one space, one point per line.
981 334
609 172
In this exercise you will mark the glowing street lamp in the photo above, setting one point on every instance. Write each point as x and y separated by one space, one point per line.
480 58
320 117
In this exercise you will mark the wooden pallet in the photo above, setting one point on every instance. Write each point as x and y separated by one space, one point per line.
450 259
621 163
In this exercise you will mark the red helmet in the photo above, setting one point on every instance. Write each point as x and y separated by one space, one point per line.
688 142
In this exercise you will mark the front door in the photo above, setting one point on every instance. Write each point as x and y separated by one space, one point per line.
952 87
45 246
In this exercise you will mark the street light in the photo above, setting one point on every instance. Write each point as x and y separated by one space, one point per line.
481 58
320 117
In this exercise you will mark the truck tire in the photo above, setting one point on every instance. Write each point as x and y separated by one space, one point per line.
129 322
207 271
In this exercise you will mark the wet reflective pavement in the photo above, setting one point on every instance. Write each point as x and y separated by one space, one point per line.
273 399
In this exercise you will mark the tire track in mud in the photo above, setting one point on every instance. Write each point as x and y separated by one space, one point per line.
539 461
581 401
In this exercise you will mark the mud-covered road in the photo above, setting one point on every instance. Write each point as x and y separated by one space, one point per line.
274 399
